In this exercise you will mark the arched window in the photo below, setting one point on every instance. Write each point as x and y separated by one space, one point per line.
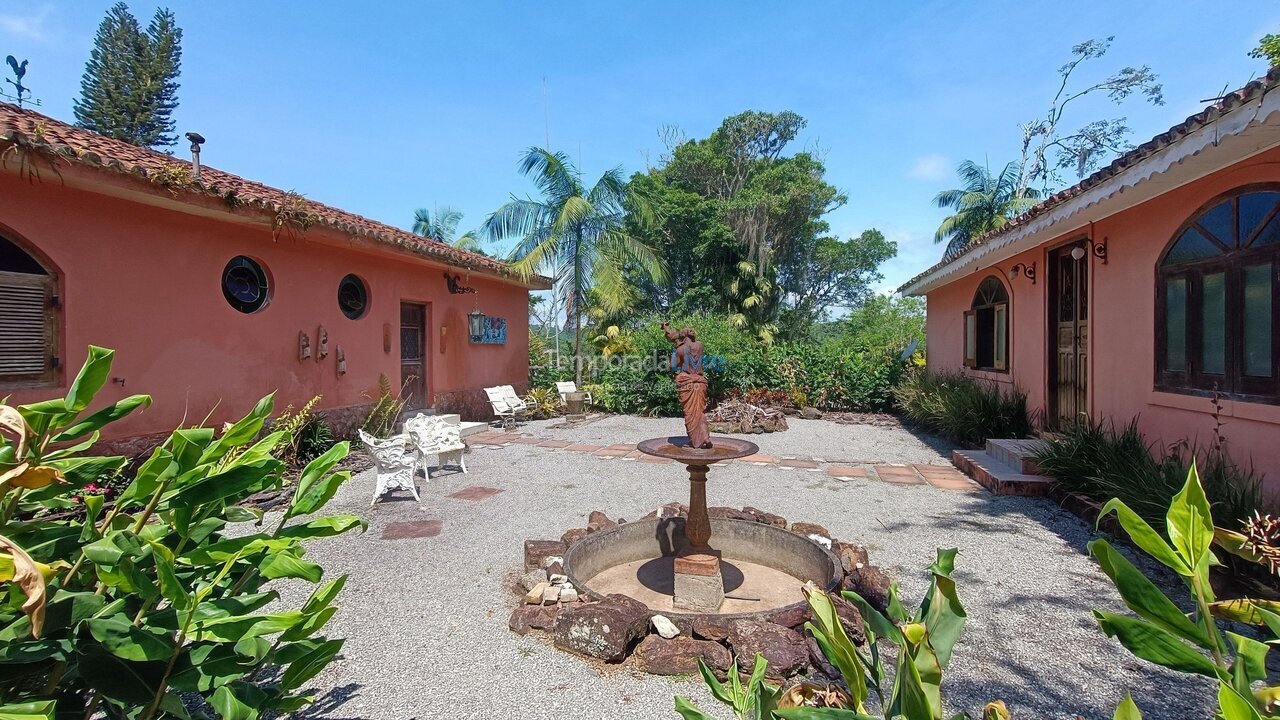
28 322
986 327
1216 299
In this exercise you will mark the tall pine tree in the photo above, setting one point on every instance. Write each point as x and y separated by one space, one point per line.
130 90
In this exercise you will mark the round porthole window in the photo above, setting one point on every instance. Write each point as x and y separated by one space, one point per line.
353 297
244 284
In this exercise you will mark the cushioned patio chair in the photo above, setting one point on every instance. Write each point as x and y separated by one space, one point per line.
438 439
396 462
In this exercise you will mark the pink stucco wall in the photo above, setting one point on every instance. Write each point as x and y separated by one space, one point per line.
1121 325
147 281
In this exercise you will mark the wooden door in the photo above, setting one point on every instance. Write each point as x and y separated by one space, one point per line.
413 355
1069 321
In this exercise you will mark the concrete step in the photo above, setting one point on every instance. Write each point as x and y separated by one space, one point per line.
1017 454
471 428
999 477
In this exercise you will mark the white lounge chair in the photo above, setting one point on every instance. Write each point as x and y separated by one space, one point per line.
396 463
502 407
514 400
565 388
435 438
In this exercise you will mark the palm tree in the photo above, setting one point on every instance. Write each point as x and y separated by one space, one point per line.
984 203
442 226
576 236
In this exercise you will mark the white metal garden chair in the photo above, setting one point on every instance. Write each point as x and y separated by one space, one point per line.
396 461
435 438
514 400
505 411
564 388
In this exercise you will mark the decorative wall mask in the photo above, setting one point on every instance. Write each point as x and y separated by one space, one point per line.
304 346
444 330
386 337
455 287
322 336
342 361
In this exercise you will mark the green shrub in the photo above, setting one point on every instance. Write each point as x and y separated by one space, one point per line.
134 609
962 409
1103 462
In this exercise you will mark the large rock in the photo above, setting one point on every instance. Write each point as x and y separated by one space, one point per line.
851 556
599 521
792 616
871 583
536 552
679 655
767 518
728 512
536 617
602 630
533 578
784 648
712 627
810 413
850 618
807 529
574 535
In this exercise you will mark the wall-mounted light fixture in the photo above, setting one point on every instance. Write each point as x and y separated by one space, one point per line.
475 322
1099 249
1025 269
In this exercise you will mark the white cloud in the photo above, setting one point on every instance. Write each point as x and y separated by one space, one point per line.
934 168
26 27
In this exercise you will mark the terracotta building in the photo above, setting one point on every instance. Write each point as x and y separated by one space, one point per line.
215 290
1141 291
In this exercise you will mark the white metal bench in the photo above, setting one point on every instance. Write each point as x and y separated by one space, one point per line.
436 438
396 463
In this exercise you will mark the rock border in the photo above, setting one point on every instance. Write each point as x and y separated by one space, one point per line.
619 628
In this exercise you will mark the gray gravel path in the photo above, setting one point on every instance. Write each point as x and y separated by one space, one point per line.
425 619
833 442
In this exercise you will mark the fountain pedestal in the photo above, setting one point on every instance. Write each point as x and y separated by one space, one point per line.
699 584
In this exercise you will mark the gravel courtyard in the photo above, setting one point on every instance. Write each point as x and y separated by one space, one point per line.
426 618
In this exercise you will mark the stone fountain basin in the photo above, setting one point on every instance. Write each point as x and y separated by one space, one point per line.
758 560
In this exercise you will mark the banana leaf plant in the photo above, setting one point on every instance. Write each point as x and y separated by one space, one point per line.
1193 643
122 610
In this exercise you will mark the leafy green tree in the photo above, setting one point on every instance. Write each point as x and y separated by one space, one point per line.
130 85
738 221
578 236
983 203
1047 149
442 225
828 273
1268 49
886 323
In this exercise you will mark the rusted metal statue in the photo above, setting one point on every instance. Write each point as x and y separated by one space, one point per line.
691 384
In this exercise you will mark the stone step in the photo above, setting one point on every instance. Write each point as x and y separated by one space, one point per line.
1000 477
1017 454
471 428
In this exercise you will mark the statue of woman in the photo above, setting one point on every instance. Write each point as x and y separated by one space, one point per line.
691 384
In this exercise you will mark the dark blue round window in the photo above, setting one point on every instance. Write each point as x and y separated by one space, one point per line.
353 297
244 284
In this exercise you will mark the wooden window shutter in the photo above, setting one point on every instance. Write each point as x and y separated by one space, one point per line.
1000 336
970 339
26 328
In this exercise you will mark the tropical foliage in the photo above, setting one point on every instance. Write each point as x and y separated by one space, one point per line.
137 608
833 374
130 85
983 203
740 224
962 409
1192 643
442 226
1101 461
1268 49
577 235
923 640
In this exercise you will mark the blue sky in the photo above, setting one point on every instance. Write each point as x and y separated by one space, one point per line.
380 108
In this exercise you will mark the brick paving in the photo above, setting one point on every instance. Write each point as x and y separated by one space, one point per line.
945 477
